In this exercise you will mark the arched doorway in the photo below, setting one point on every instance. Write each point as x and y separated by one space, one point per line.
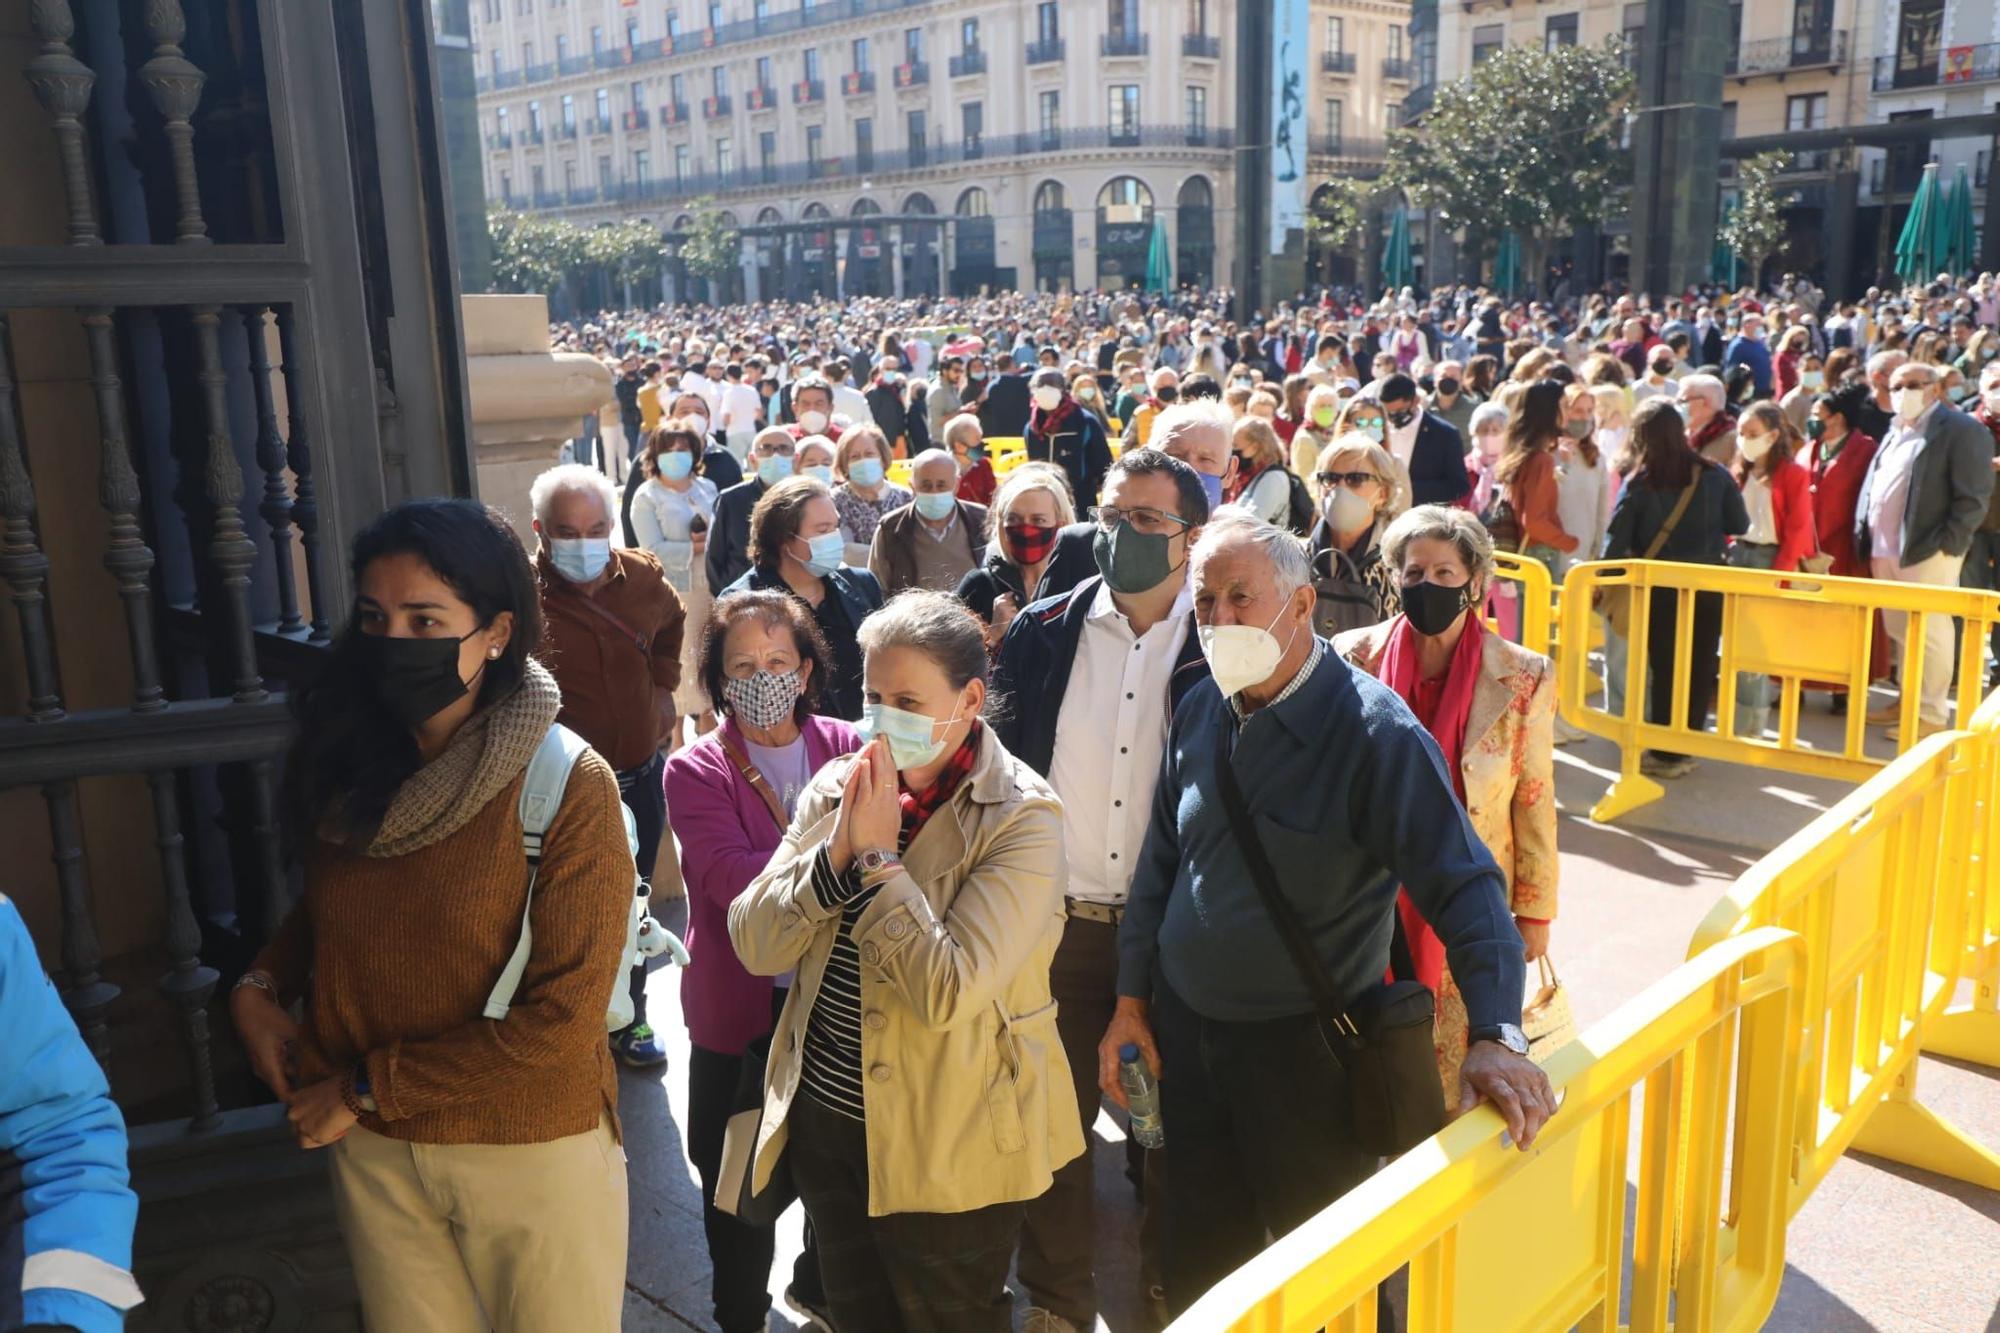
1194 225
920 247
973 249
814 273
867 257
770 255
1055 243
680 284
729 288
1124 231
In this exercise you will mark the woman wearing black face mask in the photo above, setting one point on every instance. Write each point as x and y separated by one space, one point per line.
1491 707
406 784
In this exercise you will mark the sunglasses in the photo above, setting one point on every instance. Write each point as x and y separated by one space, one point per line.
1351 480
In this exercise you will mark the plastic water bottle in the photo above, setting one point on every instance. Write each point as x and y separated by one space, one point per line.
1142 1092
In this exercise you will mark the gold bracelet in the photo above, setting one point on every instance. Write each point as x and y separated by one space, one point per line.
262 981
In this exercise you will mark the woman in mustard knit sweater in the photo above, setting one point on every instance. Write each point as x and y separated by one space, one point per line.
476 1165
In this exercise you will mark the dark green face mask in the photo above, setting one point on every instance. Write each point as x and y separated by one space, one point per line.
1132 562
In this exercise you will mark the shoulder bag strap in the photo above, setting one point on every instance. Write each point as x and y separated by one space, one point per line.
633 636
755 778
1659 541
1283 915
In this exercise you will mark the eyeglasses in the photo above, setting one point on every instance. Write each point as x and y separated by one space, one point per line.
784 450
1143 519
1351 480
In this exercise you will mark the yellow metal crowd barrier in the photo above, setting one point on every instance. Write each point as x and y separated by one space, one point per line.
1533 600
1796 631
1455 1209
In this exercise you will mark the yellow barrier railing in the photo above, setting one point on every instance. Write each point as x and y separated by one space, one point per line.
1972 1031
1795 631
1533 600
1878 889
1455 1209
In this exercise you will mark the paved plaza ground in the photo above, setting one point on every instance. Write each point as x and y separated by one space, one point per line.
1879 1246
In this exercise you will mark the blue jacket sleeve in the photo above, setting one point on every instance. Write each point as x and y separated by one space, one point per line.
64 1140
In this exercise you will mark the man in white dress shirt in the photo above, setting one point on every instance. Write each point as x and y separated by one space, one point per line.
1921 501
1087 682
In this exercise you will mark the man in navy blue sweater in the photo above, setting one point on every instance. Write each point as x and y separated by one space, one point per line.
1350 798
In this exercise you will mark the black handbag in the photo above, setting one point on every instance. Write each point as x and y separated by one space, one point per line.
1383 1042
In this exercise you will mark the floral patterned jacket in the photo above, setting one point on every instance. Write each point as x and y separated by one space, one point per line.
1508 763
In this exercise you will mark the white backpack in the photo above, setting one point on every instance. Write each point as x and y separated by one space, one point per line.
541 797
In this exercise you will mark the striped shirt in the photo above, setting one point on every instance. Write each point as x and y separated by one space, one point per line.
831 1074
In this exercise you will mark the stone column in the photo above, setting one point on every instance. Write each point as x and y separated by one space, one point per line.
1674 143
892 237
526 399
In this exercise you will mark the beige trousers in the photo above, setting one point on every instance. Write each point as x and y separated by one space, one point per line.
1934 690
462 1238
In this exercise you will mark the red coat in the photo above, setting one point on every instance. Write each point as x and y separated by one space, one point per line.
1836 489
1792 514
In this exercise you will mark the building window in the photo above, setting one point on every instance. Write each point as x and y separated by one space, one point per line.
677 90
604 169
1486 39
1919 35
812 64
527 54
635 96
534 117
506 185
767 150
1806 113
859 50
1635 23
569 177
718 81
1728 121
913 46
1336 36
541 183
680 164
760 11
972 127
764 74
1395 42
1559 31
1197 17
603 104
1123 18
1982 162
631 32
1197 108
815 145
562 47
1333 120
1049 113
714 15
864 144
1124 110
1392 115
642 167
569 113
496 63
492 11
597 41
917 130
968 35
725 157
1047 27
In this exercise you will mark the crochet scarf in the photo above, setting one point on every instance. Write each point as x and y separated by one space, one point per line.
482 760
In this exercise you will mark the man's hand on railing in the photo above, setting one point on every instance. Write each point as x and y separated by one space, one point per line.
1515 1085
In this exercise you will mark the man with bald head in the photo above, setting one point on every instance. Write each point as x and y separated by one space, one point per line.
934 541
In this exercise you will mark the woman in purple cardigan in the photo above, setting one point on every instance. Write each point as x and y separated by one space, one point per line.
731 793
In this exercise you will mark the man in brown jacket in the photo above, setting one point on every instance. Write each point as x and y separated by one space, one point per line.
936 540
614 633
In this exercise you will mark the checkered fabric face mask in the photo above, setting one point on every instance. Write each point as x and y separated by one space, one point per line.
765 699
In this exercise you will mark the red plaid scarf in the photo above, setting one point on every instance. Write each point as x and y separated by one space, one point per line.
919 806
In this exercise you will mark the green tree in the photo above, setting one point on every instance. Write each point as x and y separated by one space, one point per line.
1339 212
1532 142
1754 230
533 254
709 248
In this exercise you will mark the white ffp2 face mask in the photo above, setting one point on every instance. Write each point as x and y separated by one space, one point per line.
1240 656
1910 403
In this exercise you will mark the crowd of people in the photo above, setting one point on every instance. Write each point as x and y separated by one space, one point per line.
1183 742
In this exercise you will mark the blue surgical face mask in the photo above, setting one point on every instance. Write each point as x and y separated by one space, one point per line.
676 465
865 472
821 471
1212 485
911 736
580 559
1374 430
825 553
774 469
935 505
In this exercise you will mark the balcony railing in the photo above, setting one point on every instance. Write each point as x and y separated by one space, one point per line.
572 65
674 113
549 199
564 131
637 118
913 74
807 91
1394 68
972 147
761 99
595 125
507 78
715 108
1336 62
1348 147
1124 136
502 139
858 83
968 63
531 136
1044 53
1418 101
538 73
1120 44
1201 46
1776 55
1925 69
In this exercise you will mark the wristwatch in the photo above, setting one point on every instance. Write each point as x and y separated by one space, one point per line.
874 860
1506 1034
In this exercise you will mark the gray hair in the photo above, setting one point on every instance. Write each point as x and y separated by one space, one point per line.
1707 386
567 477
1291 565
1446 524
937 625
1186 418
1487 414
958 424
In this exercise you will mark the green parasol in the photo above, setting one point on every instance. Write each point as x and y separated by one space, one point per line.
1398 270
1960 244
1507 264
1159 265
1920 247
